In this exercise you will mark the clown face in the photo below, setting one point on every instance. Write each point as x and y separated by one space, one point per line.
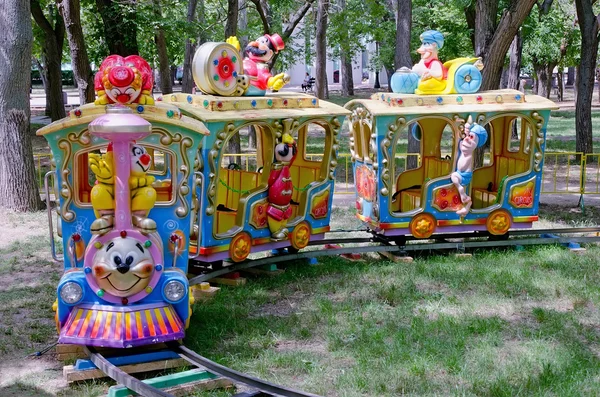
123 267
140 160
125 84
260 50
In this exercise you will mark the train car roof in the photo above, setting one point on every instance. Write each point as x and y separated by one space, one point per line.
160 112
388 103
279 105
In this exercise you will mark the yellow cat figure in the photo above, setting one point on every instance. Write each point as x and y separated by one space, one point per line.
143 195
103 192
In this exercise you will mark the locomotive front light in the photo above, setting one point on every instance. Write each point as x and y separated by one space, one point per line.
174 291
71 292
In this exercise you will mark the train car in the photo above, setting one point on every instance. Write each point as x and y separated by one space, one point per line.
427 191
237 193
124 180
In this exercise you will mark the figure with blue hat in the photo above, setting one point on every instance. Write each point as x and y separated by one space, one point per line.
432 72
475 137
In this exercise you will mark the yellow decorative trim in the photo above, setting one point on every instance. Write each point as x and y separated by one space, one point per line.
539 140
388 160
66 190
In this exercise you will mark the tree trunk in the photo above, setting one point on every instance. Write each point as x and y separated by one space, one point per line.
18 184
52 47
187 81
321 88
164 68
514 66
376 83
243 23
544 78
84 79
120 27
232 18
561 85
493 41
570 76
403 24
346 59
588 24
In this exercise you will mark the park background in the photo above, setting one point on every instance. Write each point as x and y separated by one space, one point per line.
501 323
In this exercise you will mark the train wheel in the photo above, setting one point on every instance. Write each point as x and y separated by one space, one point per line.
240 245
300 236
498 222
422 225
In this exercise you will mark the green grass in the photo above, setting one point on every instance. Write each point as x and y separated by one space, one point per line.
501 323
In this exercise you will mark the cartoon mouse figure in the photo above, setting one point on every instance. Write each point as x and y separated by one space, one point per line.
475 137
124 80
281 188
258 54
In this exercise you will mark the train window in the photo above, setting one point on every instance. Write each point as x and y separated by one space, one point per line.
314 142
240 151
160 165
363 142
514 140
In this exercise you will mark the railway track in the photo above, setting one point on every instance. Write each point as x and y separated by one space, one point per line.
406 244
260 388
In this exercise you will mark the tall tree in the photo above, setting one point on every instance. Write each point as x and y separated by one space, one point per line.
589 27
232 18
514 65
53 38
187 82
403 33
18 185
120 27
321 88
164 66
493 37
71 13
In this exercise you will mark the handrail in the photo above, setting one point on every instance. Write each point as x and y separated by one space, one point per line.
49 211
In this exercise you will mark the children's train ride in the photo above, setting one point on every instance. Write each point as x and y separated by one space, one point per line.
143 187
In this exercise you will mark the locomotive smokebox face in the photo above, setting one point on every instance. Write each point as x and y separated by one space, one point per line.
140 160
123 267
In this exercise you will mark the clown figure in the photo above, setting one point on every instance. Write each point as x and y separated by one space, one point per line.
475 137
430 69
258 54
280 188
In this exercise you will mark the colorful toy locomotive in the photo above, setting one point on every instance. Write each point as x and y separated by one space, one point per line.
125 180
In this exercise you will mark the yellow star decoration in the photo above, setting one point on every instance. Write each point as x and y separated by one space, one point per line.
423 226
242 248
301 237
499 223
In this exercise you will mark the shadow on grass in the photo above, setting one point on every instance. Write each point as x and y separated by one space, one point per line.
22 390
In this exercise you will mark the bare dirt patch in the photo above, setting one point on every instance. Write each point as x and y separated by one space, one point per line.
283 307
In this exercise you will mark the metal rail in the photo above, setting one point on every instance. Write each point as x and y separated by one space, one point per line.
194 358
385 245
218 369
122 377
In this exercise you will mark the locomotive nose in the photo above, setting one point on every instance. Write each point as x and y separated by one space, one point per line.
145 159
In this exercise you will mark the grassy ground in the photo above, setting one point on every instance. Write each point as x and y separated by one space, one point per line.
500 323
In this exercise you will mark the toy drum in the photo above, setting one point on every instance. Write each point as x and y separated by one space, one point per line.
216 67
